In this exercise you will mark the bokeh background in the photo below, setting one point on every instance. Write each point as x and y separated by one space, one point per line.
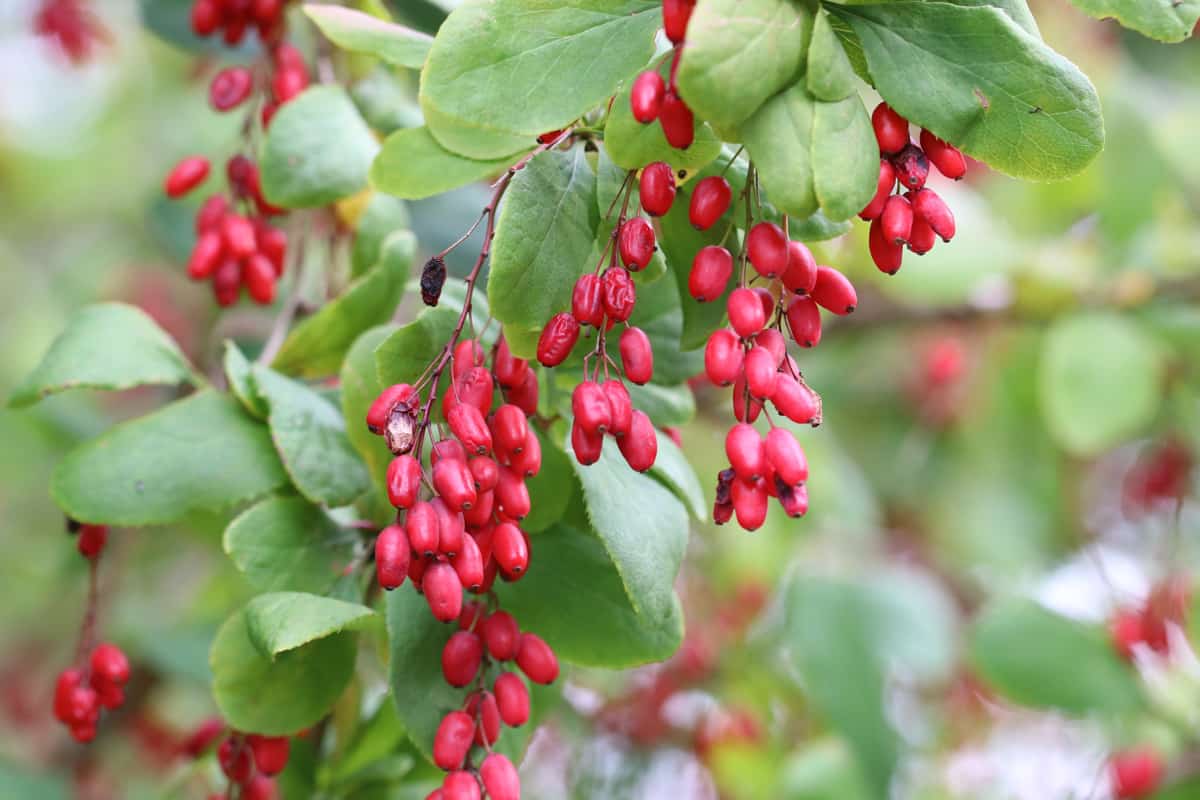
1014 413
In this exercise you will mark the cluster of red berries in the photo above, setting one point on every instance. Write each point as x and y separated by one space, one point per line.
601 300
236 245
919 216
250 762
72 26
235 17
1148 623
1134 773
652 98
80 693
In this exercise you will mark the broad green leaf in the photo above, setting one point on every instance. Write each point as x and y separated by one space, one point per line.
1012 102
413 165
571 578
316 346
317 150
633 145
779 139
551 490
739 53
1035 657
844 157
109 346
672 468
665 405
383 216
403 355
1165 20
1099 382
544 237
503 71
680 242
642 526
915 623
288 544
237 369
830 74
202 453
817 228
362 33
277 697
832 640
283 621
1017 10
360 386
311 440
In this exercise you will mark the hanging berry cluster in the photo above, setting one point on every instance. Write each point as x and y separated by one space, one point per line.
919 216
249 761
97 680
652 98
236 245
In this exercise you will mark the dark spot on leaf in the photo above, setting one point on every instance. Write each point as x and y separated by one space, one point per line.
983 101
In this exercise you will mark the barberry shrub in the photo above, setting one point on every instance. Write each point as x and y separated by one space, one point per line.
475 492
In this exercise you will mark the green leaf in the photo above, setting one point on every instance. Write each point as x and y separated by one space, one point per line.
1012 102
403 355
1035 657
544 236
311 440
680 242
503 71
633 145
238 375
202 453
280 622
288 544
362 33
109 346
1165 20
316 346
830 74
360 386
665 405
383 216
642 526
676 473
1017 10
823 770
817 228
844 157
571 579
739 53
413 165
282 696
551 490
317 150
779 139
1099 381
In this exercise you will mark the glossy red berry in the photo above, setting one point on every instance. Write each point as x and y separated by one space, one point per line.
460 785
510 370
237 234
482 708
746 315
804 321
636 355
205 17
512 495
536 659
921 238
91 540
786 456
509 549
501 635
206 255
677 121
528 462
586 445
656 188
640 445
676 14
885 252
270 753
469 427
229 88
236 760
834 292
746 452
646 96
619 294
587 300
456 487
453 740
422 529
525 395
896 220
931 209
272 243
946 157
711 269
767 249
912 168
443 591
461 657
749 503
891 129
467 353
710 199
1135 773
392 553
761 372
189 173
500 778
450 522
620 405
512 699
109 665
557 339
801 272
68 680
795 400
258 276
510 429
211 212
403 481
636 243
723 355
883 189
590 407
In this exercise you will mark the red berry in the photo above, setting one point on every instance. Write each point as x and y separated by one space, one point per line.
260 787
392 553
422 528
749 503
891 129
287 84
461 657
746 452
921 238
834 292
403 481
1135 773
229 88
512 495
206 17
64 688
206 255
237 233
110 665
656 188
932 210
1127 631
468 562
557 339
91 540
236 760
912 168
510 370
723 356
887 182
802 268
450 521
211 212
896 220
946 157
443 591
467 353
586 445
528 462
468 425
500 778
202 737
760 368
710 199
804 321
482 708
646 96
745 408
258 274
189 173
227 282
886 253
475 387
510 429
677 121
746 314
786 456
636 243
795 400
460 785
710 273
619 294
453 740
636 355
512 699
501 635
525 395
640 445
388 399
587 300
270 753
767 249
536 659
794 500
590 407
509 549
676 14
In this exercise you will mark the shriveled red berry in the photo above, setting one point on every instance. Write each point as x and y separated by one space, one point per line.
746 452
443 591
804 321
501 635
896 220
646 96
885 252
587 300
500 778
590 407
723 355
933 211
834 292
656 188
270 752
453 740
388 399
459 785
710 199
677 121
891 129
512 699
461 657
636 355
557 339
189 173
91 540
711 269
236 760
619 294
392 553
467 353
746 315
883 189
1135 773
767 249
510 370
509 549
636 243
946 157
802 268
468 425
794 500
536 659
676 14
640 445
474 387
912 168
229 88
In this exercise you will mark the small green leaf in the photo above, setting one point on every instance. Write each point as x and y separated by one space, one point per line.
277 697
544 236
739 53
413 165
1012 101
633 145
109 346
830 73
672 468
238 375
817 228
202 453
316 346
503 71
1038 658
283 621
288 544
1164 20
362 33
844 158
572 579
360 386
383 216
317 150
680 242
665 405
551 490
311 440
1099 381
403 356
